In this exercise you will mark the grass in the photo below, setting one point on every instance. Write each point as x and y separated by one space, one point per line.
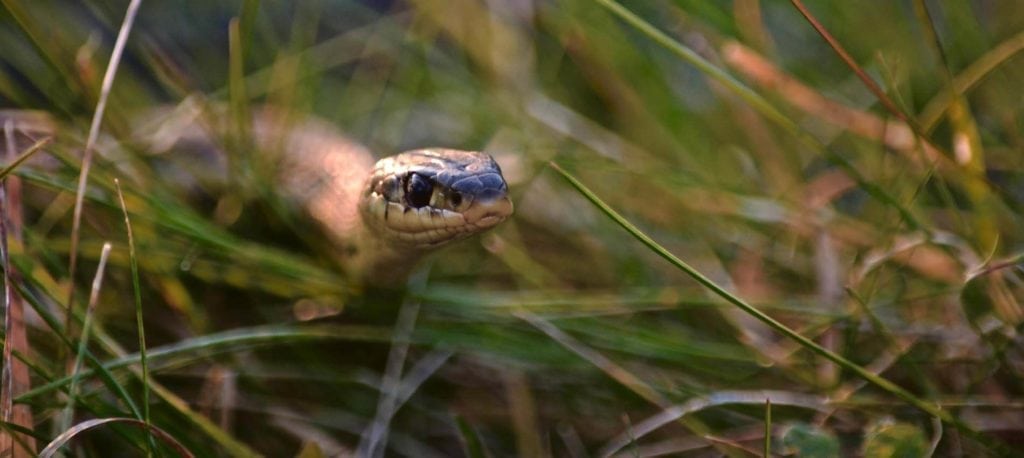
826 198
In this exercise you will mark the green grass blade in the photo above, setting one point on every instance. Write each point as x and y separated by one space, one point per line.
24 156
767 427
472 445
201 348
137 293
52 322
247 18
968 78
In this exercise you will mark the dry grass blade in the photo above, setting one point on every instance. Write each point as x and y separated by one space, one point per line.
673 413
375 437
94 295
1014 261
420 372
615 371
90 144
609 367
60 441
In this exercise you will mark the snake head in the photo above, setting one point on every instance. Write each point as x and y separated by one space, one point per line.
426 198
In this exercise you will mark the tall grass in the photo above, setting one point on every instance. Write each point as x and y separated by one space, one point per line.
826 197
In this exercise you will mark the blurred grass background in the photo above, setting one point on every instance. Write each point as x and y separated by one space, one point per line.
788 183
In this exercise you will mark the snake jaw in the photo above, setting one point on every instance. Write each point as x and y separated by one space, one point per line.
467 195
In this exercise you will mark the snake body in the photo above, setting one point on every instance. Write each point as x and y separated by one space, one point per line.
382 216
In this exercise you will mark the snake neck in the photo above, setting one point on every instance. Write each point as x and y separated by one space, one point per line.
371 260
325 173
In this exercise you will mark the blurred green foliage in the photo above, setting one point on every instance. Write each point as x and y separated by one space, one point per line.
810 223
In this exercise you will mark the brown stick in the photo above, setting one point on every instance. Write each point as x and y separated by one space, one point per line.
15 379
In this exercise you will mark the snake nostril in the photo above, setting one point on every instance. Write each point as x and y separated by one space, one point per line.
456 199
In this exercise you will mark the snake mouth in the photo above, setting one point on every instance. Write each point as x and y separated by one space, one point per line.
429 227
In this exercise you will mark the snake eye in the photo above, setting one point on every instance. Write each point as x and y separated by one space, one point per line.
418 190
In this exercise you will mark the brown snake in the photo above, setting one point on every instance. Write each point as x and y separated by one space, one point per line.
382 216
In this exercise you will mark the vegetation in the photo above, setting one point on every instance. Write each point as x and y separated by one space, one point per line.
741 228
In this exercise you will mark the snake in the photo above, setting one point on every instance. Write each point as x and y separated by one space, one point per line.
381 215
